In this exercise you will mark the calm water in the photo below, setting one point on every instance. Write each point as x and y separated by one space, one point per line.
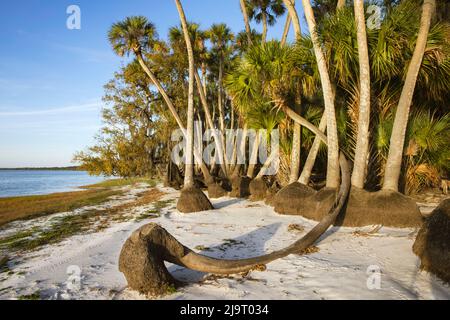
29 182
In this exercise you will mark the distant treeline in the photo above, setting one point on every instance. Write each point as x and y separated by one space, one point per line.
73 168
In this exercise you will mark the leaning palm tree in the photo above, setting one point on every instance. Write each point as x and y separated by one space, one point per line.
265 12
248 29
192 199
293 17
394 161
136 35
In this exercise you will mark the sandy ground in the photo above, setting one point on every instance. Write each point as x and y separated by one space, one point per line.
350 263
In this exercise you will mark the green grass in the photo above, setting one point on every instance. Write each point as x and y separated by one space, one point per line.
121 183
154 213
19 208
33 296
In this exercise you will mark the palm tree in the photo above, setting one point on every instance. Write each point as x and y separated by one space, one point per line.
265 12
394 161
248 29
135 35
296 141
191 199
220 36
362 144
328 95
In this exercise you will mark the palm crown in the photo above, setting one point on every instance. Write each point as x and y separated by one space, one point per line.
133 34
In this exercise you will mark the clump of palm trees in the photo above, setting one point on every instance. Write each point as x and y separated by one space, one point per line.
378 95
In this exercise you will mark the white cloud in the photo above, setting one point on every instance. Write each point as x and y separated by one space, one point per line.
73 108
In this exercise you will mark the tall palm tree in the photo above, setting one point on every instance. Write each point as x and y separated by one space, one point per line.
362 143
328 95
220 36
248 29
394 161
296 139
265 12
189 171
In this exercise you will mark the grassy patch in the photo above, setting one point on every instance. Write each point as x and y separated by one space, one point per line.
18 208
33 296
4 264
61 228
121 183
158 206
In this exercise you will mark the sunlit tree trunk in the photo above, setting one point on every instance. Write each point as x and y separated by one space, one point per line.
333 143
189 172
305 176
290 5
287 26
247 22
340 4
264 34
362 140
296 141
394 161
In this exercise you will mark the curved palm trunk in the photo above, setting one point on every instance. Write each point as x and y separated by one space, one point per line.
247 22
290 5
305 176
333 143
264 34
362 142
189 172
162 91
394 161
157 245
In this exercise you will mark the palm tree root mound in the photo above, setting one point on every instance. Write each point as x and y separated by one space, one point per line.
240 187
258 189
432 244
193 200
387 208
299 199
215 191
364 208
142 260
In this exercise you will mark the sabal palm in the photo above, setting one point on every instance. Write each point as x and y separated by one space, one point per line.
265 12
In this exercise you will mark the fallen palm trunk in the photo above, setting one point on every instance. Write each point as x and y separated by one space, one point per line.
144 253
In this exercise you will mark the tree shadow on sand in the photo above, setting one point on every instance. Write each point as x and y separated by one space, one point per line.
246 246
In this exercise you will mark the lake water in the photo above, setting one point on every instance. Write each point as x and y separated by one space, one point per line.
34 182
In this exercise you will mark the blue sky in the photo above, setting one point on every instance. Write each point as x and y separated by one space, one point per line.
51 78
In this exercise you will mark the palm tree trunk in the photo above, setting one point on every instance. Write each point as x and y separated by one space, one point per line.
333 143
394 161
362 142
253 157
209 120
204 79
220 97
189 172
247 22
340 4
264 34
305 176
290 5
287 26
295 156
